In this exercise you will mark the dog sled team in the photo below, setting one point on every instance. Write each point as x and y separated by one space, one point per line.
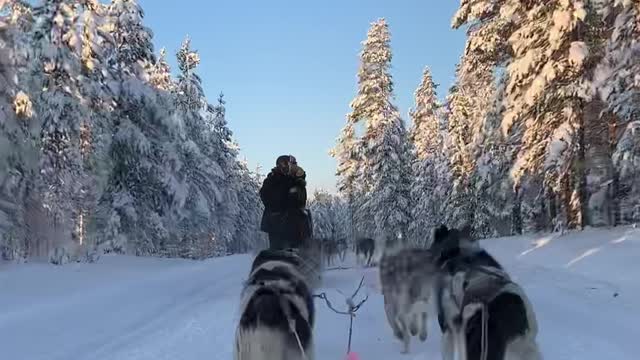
482 313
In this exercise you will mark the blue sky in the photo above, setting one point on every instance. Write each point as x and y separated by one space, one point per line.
288 69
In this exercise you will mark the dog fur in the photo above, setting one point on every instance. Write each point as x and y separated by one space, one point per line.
471 287
407 278
275 294
365 247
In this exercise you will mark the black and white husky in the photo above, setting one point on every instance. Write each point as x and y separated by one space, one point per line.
277 310
483 314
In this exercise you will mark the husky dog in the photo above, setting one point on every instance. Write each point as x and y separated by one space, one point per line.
482 313
342 248
329 250
407 277
277 310
365 247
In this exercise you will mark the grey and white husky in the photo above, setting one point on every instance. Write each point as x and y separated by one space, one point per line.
407 277
277 310
483 313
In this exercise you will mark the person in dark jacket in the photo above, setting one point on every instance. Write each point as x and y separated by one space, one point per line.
284 196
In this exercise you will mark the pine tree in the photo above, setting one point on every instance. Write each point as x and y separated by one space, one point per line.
389 202
204 154
372 110
94 133
614 82
348 155
460 204
627 164
615 74
427 142
224 151
247 230
320 207
56 68
487 32
492 186
132 46
543 107
18 155
340 218
424 134
95 129
160 73
140 207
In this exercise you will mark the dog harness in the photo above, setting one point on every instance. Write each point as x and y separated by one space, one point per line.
286 309
469 289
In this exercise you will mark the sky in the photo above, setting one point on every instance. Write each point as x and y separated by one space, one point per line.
288 69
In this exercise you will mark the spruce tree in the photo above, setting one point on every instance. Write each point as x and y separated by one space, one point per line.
626 160
427 142
543 105
140 207
372 111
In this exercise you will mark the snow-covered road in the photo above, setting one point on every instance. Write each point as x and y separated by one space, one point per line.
582 286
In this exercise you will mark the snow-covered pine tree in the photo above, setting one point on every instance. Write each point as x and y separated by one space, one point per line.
493 189
203 174
340 218
54 80
486 53
460 203
133 48
247 236
388 162
95 129
616 81
18 155
427 143
543 105
616 76
424 133
348 155
225 153
626 160
487 32
371 111
320 207
140 207
160 73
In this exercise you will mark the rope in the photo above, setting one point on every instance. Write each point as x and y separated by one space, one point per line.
292 322
484 315
352 308
485 330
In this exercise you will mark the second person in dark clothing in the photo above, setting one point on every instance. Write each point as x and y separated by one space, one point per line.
284 196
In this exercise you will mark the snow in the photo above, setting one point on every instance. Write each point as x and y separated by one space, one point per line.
578 52
581 284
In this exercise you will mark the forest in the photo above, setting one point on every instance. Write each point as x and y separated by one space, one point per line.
538 133
103 150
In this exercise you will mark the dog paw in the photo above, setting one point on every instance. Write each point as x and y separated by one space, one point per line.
423 336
